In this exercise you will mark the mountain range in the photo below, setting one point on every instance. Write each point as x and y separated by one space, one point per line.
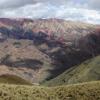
42 49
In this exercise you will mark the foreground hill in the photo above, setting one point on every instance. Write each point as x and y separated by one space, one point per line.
86 91
85 72
13 79
39 50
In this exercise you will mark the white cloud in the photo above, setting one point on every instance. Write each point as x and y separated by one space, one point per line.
94 4
41 10
69 11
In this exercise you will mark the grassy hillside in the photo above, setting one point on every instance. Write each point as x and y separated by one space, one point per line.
87 71
86 91
12 79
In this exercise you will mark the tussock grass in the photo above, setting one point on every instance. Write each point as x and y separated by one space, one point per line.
86 91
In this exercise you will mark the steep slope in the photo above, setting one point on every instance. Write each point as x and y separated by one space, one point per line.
86 91
85 72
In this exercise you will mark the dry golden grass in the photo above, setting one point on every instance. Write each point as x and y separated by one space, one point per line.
86 91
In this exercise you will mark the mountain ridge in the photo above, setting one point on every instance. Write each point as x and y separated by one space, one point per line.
54 46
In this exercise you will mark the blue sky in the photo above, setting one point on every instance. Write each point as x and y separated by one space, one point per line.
78 10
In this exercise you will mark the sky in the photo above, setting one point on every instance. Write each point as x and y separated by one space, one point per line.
77 10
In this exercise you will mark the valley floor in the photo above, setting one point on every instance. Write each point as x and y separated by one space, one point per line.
84 91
